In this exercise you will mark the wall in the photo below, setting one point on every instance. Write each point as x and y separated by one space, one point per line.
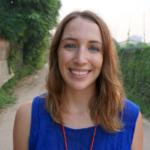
4 53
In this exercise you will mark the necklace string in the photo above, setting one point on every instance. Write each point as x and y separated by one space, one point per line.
92 138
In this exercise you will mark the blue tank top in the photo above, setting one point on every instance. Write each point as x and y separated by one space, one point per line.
46 135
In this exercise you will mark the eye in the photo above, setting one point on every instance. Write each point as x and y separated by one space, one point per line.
94 48
70 46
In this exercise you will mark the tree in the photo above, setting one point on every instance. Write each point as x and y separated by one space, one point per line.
140 44
27 23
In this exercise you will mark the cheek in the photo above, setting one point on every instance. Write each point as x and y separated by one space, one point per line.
64 58
61 61
97 62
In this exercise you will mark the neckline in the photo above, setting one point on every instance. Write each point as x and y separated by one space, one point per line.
94 133
80 129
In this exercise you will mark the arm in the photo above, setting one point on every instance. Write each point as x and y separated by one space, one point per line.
22 124
137 143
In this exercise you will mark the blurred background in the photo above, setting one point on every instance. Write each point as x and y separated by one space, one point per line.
120 15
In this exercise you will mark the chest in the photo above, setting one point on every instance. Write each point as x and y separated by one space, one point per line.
52 138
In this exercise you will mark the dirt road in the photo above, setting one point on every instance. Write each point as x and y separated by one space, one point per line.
27 89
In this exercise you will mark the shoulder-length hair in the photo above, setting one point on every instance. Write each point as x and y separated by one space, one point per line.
108 99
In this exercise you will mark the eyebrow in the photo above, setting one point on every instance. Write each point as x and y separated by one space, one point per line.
70 38
93 41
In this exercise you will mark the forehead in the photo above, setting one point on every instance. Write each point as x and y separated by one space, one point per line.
82 28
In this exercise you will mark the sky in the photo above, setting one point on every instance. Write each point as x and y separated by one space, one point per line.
119 15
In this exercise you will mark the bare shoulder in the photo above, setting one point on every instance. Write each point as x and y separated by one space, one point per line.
25 108
24 113
137 143
22 125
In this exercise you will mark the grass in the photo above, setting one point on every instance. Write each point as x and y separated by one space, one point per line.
6 98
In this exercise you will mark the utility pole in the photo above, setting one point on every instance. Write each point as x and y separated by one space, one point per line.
116 34
129 25
144 26
128 34
129 28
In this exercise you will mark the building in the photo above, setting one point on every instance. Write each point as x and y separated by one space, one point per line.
136 38
124 43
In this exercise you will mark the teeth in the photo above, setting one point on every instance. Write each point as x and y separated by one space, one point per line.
79 73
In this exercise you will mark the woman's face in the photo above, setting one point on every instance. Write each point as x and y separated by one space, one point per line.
80 54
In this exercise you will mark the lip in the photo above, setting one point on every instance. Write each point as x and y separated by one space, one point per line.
79 69
79 76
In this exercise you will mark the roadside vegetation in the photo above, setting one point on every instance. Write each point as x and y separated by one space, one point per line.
6 92
26 25
135 67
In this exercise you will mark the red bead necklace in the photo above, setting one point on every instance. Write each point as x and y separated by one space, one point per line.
92 138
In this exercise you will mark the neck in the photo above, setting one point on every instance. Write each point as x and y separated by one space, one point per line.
77 101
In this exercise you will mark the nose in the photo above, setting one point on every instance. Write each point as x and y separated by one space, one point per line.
81 56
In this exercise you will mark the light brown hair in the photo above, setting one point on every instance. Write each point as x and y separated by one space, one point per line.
108 99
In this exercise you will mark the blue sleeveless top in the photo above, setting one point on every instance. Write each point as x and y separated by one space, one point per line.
46 135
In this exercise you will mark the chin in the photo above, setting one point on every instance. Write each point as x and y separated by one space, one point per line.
79 87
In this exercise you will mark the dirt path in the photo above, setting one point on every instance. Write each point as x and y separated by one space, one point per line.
27 89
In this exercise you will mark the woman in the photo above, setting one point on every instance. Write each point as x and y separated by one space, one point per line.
84 106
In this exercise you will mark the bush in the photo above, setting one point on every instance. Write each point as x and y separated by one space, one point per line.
6 98
26 24
135 68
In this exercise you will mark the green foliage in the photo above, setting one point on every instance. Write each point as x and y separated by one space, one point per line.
139 44
141 102
135 68
11 25
13 55
34 52
142 44
28 22
6 98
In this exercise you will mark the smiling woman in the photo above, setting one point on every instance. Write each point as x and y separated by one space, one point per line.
85 105
80 54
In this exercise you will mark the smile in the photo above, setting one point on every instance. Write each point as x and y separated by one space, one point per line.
79 73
